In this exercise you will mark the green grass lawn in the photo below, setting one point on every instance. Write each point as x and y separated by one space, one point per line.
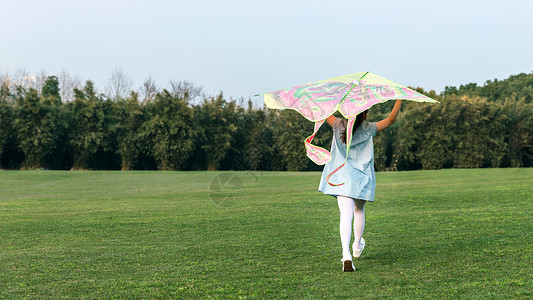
429 234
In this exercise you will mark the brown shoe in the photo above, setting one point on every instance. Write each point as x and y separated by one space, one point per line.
347 266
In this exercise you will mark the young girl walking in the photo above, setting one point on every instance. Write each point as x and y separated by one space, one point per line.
358 177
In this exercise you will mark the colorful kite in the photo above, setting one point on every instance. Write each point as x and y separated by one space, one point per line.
350 95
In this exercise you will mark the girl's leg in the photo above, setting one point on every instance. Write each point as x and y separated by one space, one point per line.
346 209
358 222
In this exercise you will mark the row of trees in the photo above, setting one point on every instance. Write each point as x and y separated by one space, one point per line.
473 127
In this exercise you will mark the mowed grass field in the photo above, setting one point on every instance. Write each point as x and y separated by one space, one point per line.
429 234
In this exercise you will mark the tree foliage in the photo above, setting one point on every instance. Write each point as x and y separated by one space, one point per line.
130 143
6 117
169 131
214 123
88 125
184 129
35 127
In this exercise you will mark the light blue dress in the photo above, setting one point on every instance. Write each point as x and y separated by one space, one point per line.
358 173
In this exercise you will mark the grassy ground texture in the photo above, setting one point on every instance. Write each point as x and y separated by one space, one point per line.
429 234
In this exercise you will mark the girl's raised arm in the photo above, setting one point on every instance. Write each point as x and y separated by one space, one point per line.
391 118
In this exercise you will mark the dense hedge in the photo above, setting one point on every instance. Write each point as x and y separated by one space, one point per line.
474 126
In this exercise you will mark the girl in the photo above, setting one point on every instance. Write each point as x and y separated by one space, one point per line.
358 177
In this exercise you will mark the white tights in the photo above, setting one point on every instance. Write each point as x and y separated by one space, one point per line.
350 209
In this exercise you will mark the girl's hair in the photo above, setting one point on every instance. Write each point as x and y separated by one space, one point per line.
358 121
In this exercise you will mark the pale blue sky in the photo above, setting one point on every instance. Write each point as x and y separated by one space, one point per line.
248 47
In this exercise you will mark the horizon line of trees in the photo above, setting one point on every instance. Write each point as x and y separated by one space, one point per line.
181 128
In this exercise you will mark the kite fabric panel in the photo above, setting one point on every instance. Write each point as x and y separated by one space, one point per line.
350 94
